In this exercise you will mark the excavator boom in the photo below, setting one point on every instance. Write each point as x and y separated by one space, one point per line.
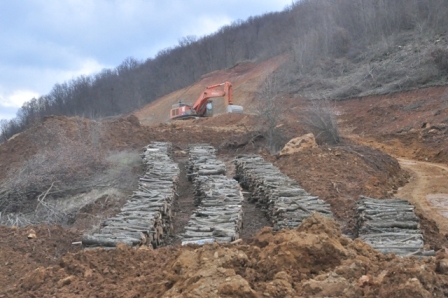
199 108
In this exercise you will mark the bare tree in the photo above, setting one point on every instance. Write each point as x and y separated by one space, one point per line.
3 130
269 113
320 117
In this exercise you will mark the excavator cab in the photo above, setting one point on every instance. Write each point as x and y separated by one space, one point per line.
179 110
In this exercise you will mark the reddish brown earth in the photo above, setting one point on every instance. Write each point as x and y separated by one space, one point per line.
313 260
412 124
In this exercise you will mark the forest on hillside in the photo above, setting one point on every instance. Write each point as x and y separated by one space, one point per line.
336 48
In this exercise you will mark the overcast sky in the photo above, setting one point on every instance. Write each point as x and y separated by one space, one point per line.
44 42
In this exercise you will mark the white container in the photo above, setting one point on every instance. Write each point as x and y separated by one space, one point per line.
235 109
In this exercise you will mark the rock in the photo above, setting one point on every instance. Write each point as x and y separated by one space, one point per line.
34 279
236 287
32 234
442 266
331 286
364 280
65 281
280 288
88 273
133 120
298 144
284 276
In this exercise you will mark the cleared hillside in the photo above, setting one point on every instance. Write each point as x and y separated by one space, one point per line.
246 78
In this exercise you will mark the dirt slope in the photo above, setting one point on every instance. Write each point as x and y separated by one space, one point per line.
412 124
428 190
339 175
245 78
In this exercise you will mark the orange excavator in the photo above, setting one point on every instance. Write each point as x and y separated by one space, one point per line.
203 107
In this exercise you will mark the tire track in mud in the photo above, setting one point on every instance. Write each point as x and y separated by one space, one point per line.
427 189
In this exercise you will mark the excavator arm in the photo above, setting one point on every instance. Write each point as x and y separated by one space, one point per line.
200 106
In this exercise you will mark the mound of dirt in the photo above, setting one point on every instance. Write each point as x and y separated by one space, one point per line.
43 135
118 134
21 254
312 260
298 144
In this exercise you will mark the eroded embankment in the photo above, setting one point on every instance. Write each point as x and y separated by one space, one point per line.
427 191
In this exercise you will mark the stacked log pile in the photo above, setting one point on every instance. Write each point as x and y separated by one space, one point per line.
390 226
146 218
219 199
284 201
202 162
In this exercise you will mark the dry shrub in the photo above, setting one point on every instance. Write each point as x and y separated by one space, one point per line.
270 113
440 58
341 42
69 168
320 117
63 160
61 166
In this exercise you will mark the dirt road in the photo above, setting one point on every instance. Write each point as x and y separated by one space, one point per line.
428 189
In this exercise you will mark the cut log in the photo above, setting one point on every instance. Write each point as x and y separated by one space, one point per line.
147 214
286 203
90 240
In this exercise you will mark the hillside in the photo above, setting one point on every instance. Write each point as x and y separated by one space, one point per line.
334 50
383 70
246 78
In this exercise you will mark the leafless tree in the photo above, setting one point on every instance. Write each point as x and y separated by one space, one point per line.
320 117
269 112
3 130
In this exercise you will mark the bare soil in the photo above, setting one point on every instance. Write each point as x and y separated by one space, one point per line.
183 206
245 78
428 191
312 260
